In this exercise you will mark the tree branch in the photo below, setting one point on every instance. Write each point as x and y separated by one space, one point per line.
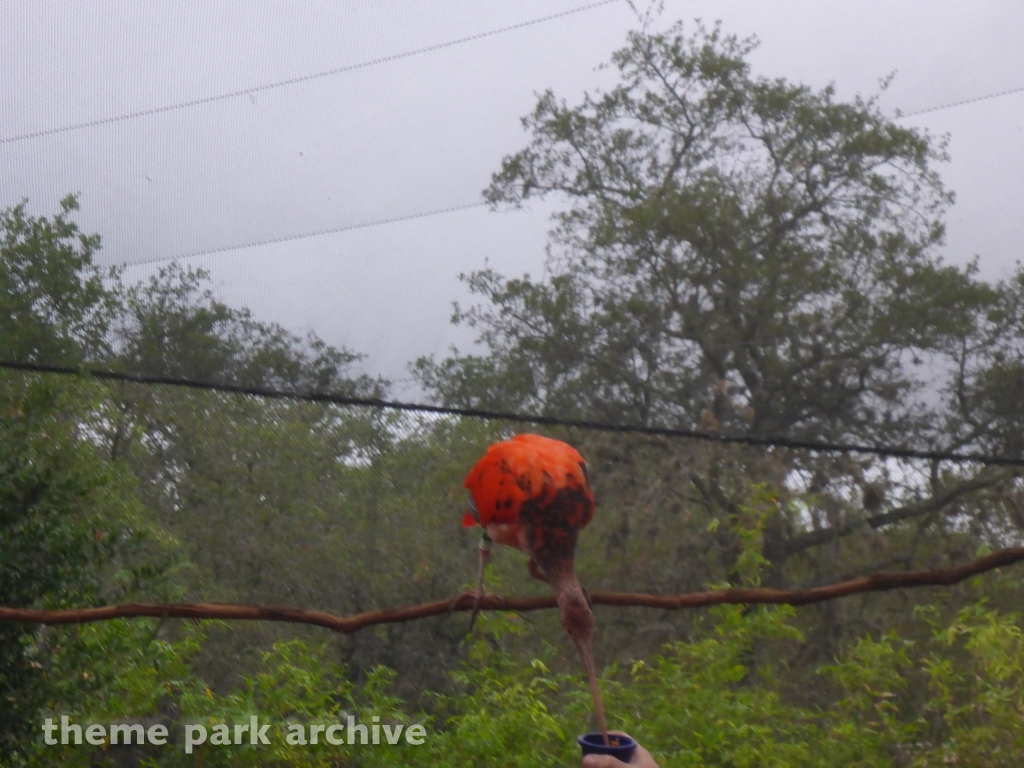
908 512
877 582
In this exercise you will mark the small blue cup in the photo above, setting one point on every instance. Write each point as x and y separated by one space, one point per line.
621 747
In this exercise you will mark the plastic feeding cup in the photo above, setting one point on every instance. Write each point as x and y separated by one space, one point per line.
619 746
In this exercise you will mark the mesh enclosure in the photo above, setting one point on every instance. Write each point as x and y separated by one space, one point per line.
732 293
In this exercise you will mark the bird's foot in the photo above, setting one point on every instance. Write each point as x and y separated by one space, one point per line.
461 598
476 610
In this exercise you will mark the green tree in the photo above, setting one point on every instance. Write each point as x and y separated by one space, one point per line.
175 327
65 514
322 507
744 254
54 308
736 249
738 253
69 520
986 411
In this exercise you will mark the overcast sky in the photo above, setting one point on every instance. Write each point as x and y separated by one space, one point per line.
423 133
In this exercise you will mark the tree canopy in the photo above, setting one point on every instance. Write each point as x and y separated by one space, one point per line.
736 251
743 254
53 305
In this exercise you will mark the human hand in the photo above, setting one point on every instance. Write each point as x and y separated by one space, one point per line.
641 758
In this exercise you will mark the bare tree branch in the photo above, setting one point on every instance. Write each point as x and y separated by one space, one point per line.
907 512
877 582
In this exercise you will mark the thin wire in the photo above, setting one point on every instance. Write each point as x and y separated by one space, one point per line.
409 217
318 233
312 397
304 78
962 103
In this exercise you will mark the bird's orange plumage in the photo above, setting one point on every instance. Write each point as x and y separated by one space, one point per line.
532 493
531 481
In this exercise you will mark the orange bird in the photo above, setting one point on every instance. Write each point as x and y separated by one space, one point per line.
533 493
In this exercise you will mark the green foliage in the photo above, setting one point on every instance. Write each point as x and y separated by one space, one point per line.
977 681
734 245
506 713
65 514
54 308
867 713
290 503
175 327
718 698
746 254
698 702
296 686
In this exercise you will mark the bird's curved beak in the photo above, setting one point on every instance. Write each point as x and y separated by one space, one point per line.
472 516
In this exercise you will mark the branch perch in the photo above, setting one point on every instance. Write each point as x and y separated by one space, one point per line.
877 582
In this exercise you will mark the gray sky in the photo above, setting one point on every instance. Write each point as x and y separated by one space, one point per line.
423 133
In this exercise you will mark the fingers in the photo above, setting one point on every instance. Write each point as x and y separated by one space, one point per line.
641 758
